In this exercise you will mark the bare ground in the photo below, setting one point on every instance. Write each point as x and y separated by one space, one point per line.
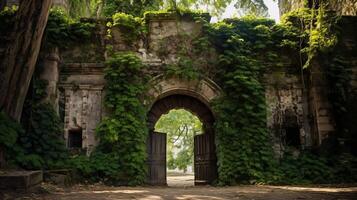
99 192
180 187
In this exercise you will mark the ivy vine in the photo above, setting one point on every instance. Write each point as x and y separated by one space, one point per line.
123 133
244 146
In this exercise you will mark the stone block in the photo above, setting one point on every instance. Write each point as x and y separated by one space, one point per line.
325 120
323 112
323 105
59 177
326 127
20 180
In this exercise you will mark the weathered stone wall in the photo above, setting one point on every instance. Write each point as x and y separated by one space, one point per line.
76 81
82 80
347 48
82 75
82 70
168 35
286 109
82 89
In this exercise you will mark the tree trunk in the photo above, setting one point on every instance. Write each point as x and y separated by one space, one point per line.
21 54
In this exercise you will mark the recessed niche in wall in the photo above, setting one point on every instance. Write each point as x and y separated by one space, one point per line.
75 138
292 136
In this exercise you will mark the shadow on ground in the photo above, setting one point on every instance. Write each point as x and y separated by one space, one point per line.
98 192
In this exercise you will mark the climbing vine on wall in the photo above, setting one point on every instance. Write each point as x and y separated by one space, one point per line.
244 146
62 30
123 134
131 28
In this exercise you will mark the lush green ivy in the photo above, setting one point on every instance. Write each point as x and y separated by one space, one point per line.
184 69
312 168
123 133
134 7
62 31
43 138
178 13
246 46
38 142
41 144
9 131
130 27
104 167
244 146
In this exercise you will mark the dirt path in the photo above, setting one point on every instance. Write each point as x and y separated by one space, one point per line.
100 192
180 180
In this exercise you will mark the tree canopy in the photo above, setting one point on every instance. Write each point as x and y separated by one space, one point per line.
89 8
180 126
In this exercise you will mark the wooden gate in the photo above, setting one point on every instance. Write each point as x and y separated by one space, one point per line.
205 159
156 146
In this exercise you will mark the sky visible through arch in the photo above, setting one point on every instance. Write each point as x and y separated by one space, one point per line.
231 11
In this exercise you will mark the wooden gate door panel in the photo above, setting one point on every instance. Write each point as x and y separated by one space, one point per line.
156 146
205 159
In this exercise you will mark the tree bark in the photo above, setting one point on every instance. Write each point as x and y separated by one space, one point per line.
21 54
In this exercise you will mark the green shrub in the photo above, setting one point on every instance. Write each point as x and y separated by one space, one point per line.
104 167
9 131
42 145
310 168
130 27
62 31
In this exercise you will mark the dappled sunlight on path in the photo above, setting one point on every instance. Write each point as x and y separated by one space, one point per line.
180 180
99 192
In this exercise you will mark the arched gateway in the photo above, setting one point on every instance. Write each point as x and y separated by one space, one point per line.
194 96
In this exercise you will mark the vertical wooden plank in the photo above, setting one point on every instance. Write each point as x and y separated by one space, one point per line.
157 158
204 159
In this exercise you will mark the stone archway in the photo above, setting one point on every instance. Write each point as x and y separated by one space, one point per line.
177 101
194 96
204 89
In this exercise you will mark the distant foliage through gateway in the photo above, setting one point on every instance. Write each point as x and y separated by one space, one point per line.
180 126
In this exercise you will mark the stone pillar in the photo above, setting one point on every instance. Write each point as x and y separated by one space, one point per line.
84 116
50 73
323 120
306 131
68 93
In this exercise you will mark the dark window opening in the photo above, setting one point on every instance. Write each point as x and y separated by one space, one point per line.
292 137
75 138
